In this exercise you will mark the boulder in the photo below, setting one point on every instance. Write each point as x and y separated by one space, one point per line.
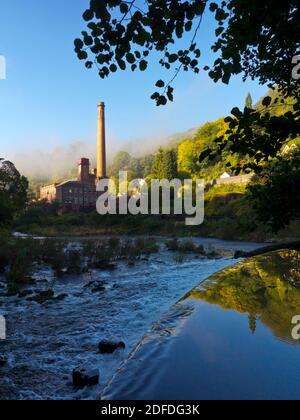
12 290
82 377
3 361
63 296
109 347
25 293
105 265
42 297
99 288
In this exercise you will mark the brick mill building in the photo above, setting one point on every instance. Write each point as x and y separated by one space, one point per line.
75 195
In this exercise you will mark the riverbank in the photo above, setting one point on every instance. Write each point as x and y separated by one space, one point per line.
229 338
225 228
228 216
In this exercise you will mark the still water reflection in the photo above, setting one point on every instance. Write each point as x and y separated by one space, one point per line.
230 338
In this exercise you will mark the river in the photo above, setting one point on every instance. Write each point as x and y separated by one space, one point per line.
45 342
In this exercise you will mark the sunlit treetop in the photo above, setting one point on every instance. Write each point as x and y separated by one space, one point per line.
257 39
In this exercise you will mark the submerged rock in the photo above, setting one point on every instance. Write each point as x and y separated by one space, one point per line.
12 290
109 347
105 265
3 361
99 288
25 293
63 296
82 377
42 296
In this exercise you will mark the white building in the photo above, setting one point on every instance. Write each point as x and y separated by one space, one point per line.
225 175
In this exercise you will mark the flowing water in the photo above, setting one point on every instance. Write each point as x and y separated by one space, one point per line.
45 342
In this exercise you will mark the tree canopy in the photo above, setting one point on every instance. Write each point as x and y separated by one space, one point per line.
256 39
13 191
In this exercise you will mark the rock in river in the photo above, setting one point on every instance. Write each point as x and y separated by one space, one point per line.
109 347
3 361
83 377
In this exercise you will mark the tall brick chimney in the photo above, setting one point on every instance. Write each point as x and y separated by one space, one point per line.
83 170
101 147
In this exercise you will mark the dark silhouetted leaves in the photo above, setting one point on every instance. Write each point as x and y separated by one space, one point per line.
160 84
267 101
88 15
143 65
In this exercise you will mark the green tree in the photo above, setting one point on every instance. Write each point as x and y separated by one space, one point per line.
158 165
170 170
249 102
121 162
252 323
188 158
276 194
146 163
13 191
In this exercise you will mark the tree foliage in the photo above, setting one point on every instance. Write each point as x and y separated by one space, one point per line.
122 34
136 167
256 39
249 102
158 165
276 195
170 170
165 165
13 191
258 134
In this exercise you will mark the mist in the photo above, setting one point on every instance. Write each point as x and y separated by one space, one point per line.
53 165
60 163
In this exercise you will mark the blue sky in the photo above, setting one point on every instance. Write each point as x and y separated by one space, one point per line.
50 99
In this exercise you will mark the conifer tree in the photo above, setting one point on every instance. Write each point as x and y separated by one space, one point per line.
170 165
158 165
249 102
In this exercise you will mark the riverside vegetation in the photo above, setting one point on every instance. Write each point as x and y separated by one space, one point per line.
228 215
20 258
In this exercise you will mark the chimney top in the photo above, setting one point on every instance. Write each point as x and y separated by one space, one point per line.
101 105
84 161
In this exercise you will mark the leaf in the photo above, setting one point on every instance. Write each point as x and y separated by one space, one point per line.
173 58
143 65
162 100
82 55
213 7
122 64
205 154
130 58
188 25
78 44
155 96
113 68
226 78
124 8
266 101
160 84
88 15
89 64
170 94
88 40
236 112
219 30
